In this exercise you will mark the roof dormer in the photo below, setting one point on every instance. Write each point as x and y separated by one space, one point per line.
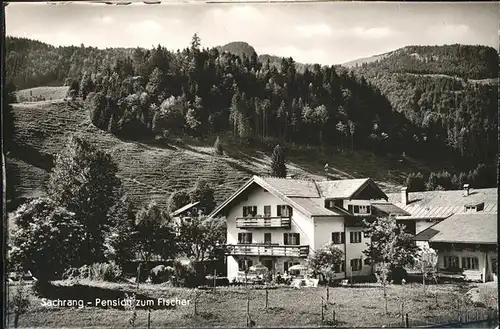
474 207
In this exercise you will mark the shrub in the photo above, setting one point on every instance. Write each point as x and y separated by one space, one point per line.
98 271
398 274
106 272
186 275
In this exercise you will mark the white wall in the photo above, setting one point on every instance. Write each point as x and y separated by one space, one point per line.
481 273
260 198
299 224
355 250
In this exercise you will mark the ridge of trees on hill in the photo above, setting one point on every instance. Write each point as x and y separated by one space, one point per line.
452 110
480 177
140 94
466 61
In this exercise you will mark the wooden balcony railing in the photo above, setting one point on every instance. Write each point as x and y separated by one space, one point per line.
263 222
259 249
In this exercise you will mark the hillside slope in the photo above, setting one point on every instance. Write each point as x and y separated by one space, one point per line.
153 172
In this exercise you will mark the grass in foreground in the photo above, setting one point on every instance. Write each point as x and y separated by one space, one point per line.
359 306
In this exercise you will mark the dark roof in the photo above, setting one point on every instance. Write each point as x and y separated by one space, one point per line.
389 208
293 187
474 227
306 195
316 207
442 204
340 189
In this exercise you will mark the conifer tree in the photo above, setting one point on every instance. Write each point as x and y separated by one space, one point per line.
278 166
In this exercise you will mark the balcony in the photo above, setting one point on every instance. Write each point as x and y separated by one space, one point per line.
263 222
260 249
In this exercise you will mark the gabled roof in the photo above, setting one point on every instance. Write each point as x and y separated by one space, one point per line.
463 228
442 204
184 208
316 207
293 187
388 208
308 201
345 188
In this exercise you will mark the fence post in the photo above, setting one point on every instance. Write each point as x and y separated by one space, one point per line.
149 318
327 293
333 316
195 301
407 321
322 311
248 310
215 280
267 297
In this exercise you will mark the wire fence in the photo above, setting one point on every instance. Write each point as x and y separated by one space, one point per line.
463 317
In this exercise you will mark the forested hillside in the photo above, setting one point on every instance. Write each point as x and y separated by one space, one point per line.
450 91
405 102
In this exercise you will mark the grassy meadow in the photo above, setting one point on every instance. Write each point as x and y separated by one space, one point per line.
359 306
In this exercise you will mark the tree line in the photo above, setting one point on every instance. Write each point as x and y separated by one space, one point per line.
146 93
480 177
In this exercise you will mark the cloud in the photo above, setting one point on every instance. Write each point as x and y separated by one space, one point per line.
145 28
449 30
107 19
314 30
322 29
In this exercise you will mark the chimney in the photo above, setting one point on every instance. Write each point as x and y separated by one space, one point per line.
466 189
404 195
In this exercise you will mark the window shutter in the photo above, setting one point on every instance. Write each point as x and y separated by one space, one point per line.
285 238
298 239
278 211
342 237
244 211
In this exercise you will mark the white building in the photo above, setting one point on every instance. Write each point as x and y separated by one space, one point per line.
279 222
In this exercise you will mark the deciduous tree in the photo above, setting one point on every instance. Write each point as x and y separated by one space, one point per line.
155 233
47 239
84 181
326 261
390 248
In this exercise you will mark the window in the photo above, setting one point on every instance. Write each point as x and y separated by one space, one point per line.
287 265
291 239
339 268
244 238
355 237
450 262
357 209
338 237
470 263
356 264
283 211
267 211
267 238
249 211
244 264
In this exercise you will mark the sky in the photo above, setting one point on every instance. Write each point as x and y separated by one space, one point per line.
325 33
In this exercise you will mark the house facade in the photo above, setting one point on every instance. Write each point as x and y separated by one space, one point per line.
279 222
461 225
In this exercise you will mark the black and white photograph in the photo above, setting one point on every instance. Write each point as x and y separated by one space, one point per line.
238 165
